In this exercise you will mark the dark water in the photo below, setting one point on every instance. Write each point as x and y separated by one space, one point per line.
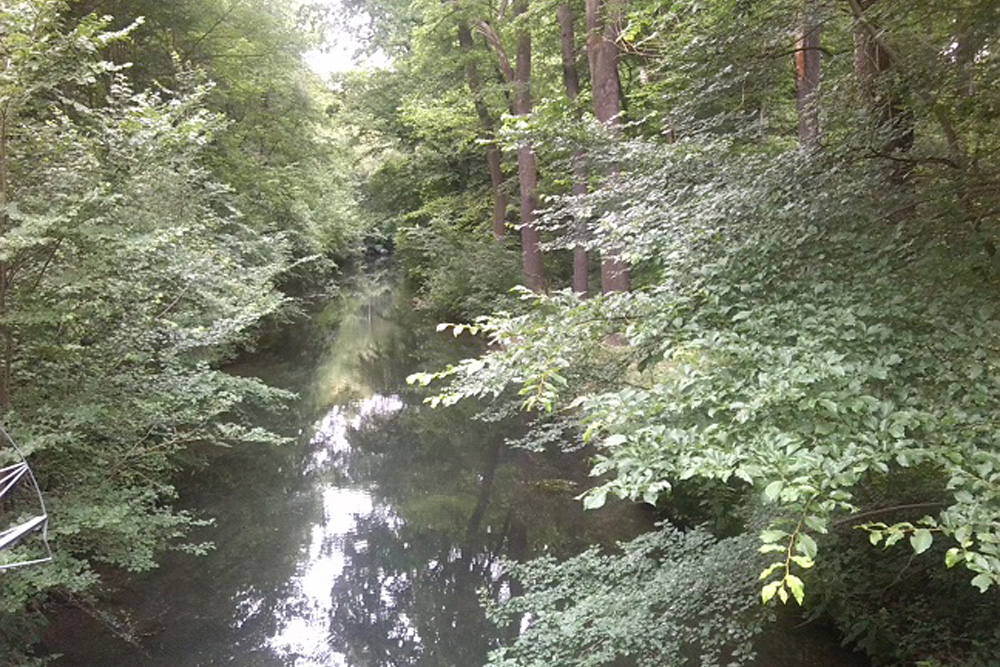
367 541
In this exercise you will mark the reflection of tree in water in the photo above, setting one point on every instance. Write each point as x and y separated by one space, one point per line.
460 500
367 336
409 594
354 345
410 598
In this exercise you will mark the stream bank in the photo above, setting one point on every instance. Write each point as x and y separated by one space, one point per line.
368 538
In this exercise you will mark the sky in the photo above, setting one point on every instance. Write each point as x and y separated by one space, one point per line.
330 61
339 55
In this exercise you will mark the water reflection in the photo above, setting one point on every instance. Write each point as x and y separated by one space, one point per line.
303 617
330 441
368 543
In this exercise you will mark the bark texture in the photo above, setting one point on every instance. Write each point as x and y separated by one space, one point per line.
807 77
527 168
571 80
602 52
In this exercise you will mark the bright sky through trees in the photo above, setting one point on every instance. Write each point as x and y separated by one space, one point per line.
341 50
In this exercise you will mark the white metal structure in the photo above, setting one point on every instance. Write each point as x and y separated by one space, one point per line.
18 476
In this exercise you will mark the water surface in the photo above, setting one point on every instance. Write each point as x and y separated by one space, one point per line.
366 541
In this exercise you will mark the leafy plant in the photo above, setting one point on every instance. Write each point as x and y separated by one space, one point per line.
670 597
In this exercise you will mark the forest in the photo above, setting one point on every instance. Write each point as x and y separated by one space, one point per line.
737 257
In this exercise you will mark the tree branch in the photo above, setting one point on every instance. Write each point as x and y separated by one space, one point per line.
854 518
494 39
190 50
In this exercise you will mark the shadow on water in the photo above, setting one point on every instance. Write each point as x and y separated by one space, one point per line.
367 541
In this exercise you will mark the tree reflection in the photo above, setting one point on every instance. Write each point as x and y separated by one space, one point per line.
410 598
304 575
453 501
409 594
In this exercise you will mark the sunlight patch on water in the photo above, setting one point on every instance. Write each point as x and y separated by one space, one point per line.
330 437
303 616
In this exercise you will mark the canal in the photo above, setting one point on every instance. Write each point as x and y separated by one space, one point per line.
369 538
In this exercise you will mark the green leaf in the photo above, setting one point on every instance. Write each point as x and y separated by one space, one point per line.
893 537
982 581
816 523
771 569
773 535
798 588
595 499
803 562
921 540
806 545
767 592
953 557
614 440
773 490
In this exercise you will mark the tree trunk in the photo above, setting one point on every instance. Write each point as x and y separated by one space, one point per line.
807 74
892 118
6 336
602 51
493 156
571 80
527 168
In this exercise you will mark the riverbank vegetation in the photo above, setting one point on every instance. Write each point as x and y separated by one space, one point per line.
789 211
753 246
168 182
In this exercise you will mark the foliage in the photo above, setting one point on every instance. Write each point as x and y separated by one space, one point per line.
424 188
894 604
807 325
871 379
460 274
288 167
670 597
129 277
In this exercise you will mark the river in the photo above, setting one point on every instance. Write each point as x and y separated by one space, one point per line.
367 539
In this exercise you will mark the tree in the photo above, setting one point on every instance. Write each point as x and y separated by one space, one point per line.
804 342
571 81
129 277
289 170
519 77
807 77
602 52
493 156
874 64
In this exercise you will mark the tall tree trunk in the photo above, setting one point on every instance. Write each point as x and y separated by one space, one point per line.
519 77
527 168
602 51
807 74
6 335
571 80
493 156
892 117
